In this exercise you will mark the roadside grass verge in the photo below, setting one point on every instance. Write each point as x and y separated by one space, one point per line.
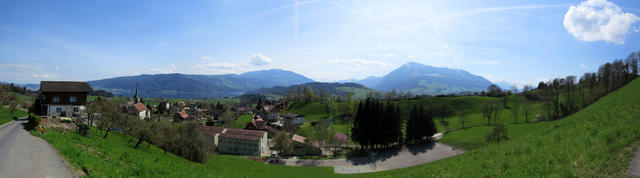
6 116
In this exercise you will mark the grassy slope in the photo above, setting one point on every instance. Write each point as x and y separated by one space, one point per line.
6 116
242 121
597 141
114 156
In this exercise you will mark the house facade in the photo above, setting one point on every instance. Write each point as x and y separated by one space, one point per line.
63 98
212 133
294 119
243 142
140 110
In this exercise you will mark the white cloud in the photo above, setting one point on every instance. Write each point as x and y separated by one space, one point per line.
491 62
598 20
206 58
57 68
22 67
44 76
411 56
390 55
260 60
582 66
358 62
493 78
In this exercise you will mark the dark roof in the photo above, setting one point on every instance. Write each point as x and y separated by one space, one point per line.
291 115
211 131
64 86
243 134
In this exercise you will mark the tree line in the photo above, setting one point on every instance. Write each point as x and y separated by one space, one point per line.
565 96
377 124
182 139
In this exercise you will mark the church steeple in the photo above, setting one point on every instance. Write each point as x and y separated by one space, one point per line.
136 98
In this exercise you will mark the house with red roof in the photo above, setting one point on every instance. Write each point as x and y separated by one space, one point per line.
261 125
180 116
140 110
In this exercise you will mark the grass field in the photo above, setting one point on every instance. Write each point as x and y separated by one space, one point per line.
6 116
242 121
599 141
116 157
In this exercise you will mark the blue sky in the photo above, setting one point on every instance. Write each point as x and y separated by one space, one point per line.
516 41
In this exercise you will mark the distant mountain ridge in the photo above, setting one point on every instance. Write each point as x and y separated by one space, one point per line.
197 86
425 79
335 89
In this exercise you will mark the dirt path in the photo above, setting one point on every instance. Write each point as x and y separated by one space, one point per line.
23 155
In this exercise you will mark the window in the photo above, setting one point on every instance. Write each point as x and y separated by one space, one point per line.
73 99
58 109
56 99
75 110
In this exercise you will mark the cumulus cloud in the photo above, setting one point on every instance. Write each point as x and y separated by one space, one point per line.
358 62
260 60
598 20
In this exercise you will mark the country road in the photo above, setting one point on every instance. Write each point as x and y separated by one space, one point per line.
23 155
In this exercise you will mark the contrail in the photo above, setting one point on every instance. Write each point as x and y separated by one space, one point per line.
295 21
446 45
282 7
497 9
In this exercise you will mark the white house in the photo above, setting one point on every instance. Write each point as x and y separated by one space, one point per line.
140 110
243 142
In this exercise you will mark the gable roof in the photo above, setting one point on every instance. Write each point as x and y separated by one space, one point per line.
183 115
140 107
242 134
298 138
291 115
64 86
211 131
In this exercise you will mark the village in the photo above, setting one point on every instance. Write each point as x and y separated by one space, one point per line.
62 101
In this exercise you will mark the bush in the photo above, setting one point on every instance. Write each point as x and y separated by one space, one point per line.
34 121
65 120
83 129
210 123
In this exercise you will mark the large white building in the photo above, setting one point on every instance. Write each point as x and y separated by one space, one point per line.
239 141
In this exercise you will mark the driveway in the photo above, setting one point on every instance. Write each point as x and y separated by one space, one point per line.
385 160
634 169
23 155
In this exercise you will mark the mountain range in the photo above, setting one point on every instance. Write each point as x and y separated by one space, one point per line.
425 79
413 77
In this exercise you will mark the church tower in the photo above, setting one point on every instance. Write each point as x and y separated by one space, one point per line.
136 98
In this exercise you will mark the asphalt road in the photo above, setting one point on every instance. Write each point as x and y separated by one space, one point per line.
384 160
23 155
634 169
